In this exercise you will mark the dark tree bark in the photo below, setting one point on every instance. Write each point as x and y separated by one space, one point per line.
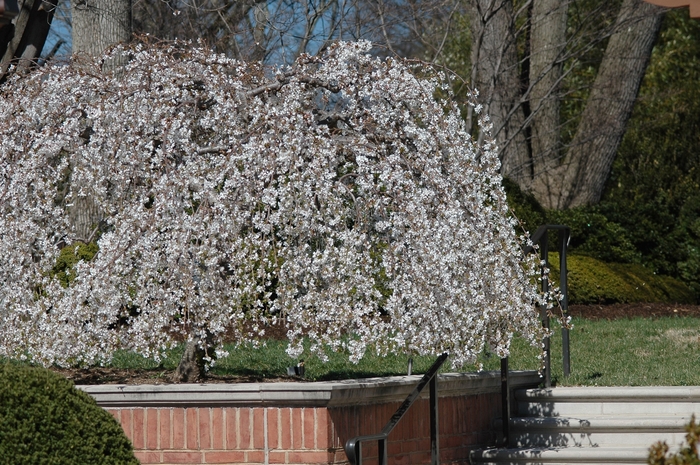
547 44
191 368
581 177
495 74
25 40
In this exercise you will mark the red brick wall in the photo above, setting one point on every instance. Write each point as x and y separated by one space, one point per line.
464 422
201 435
305 435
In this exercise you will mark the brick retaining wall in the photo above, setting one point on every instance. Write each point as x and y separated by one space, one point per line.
303 423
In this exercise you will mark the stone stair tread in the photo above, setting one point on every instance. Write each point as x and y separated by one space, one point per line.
620 394
603 422
563 455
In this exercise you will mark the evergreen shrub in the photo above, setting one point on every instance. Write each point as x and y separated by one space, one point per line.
622 253
592 281
45 420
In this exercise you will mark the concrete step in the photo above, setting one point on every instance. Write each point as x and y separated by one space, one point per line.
565 455
600 425
597 431
565 402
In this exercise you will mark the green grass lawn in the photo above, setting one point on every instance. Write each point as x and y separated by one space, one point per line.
626 352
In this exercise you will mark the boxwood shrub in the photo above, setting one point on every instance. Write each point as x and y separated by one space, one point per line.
44 419
592 281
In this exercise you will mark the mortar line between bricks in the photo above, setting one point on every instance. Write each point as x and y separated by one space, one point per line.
315 428
279 428
171 422
302 411
224 428
184 428
211 428
267 450
238 428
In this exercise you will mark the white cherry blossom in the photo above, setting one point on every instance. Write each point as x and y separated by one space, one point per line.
338 193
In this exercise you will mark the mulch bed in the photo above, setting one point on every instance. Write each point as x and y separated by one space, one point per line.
101 375
645 310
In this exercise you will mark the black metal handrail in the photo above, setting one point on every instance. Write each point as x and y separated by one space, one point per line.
541 237
353 447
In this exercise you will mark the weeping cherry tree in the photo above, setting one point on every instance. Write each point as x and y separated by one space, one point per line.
339 196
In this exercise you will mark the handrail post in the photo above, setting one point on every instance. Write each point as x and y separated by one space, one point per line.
544 255
564 235
382 453
434 436
505 401
541 237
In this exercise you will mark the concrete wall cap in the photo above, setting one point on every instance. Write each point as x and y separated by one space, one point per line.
299 394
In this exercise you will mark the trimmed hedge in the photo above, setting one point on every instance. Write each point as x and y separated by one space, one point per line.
592 281
45 420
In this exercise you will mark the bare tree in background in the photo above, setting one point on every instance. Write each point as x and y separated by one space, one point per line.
21 41
523 52
521 55
279 31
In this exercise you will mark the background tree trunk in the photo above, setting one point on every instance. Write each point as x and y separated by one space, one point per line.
604 120
25 40
547 45
518 73
495 74
99 24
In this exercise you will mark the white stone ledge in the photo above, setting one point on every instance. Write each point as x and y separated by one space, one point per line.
299 394
634 394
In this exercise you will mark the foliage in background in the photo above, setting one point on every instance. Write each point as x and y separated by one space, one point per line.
650 212
688 455
68 257
605 266
45 420
654 188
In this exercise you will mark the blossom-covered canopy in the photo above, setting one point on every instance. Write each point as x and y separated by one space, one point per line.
339 194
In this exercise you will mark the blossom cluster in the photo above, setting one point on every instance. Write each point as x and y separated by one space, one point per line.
338 195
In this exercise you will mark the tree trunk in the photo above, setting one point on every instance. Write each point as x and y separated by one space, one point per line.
191 368
547 46
604 120
495 75
28 34
99 24
525 106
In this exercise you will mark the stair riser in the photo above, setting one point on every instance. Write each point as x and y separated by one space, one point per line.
546 439
584 409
